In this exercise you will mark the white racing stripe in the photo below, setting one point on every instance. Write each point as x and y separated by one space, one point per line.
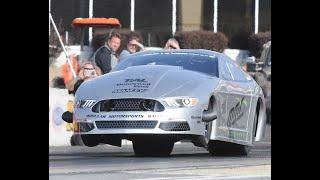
88 103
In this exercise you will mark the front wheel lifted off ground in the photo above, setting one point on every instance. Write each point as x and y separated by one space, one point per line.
152 147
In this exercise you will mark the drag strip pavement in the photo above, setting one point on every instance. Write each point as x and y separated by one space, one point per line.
186 162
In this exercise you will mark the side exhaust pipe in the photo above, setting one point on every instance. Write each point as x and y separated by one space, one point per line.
208 116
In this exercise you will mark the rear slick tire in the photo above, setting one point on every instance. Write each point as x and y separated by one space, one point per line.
220 148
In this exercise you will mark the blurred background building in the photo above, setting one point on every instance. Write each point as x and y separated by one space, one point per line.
153 18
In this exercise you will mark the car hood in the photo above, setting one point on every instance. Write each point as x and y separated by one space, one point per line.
147 81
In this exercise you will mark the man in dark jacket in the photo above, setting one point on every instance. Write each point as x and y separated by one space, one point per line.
105 57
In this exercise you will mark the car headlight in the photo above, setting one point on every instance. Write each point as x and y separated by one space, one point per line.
87 103
180 102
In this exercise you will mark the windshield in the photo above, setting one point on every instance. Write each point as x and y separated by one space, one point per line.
191 61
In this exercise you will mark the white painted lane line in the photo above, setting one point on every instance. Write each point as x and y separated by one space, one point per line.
207 177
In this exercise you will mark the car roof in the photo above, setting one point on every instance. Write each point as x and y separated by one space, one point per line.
191 51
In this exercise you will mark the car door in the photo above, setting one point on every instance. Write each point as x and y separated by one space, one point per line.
222 92
238 102
235 100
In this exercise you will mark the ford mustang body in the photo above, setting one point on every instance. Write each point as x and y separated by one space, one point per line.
156 98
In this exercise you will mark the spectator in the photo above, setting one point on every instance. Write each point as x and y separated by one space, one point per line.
66 69
105 57
172 43
58 82
133 46
87 72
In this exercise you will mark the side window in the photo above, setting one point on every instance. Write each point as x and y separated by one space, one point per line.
225 74
236 72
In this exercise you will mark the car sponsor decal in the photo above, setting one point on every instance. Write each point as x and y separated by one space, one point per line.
195 117
236 112
234 134
132 85
117 116
128 90
135 80
154 116
126 116
96 116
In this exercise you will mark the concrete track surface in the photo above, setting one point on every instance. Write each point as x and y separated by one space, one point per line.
186 162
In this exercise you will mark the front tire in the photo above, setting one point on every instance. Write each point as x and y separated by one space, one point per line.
90 140
152 147
76 140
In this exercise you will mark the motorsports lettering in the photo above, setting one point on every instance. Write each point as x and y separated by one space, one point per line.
96 116
125 116
116 116
154 116
133 85
236 113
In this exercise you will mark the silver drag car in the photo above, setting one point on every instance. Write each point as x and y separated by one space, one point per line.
156 98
